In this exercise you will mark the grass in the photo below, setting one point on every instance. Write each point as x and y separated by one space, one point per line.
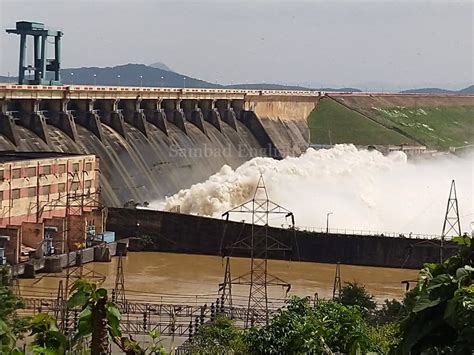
436 126
332 123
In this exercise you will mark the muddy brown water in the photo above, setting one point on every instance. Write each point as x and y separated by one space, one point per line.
186 279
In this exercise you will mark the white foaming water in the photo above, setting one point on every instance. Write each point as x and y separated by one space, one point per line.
365 190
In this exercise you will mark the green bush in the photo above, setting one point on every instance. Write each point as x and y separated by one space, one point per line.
442 317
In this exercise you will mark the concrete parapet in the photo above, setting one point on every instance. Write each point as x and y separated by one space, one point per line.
29 271
53 264
102 254
121 248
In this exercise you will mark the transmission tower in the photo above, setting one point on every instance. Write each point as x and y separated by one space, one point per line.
225 288
336 290
451 218
60 311
119 287
259 242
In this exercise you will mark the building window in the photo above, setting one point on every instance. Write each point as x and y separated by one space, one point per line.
16 173
87 184
47 169
1 175
61 188
46 190
61 168
31 191
75 186
75 167
88 166
30 172
15 194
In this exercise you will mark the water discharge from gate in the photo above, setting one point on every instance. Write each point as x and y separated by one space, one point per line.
364 190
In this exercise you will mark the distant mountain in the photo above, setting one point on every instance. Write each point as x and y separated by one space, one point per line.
161 66
340 89
157 74
264 86
466 91
427 91
131 75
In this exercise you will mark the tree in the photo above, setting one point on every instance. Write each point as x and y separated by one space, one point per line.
48 339
9 303
353 294
219 337
391 311
12 327
442 317
326 328
99 318
7 340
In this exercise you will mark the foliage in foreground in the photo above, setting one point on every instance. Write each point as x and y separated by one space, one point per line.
353 294
302 328
220 337
442 318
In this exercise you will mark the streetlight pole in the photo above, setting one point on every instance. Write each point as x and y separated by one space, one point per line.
95 79
72 78
184 82
141 80
118 79
162 82
327 221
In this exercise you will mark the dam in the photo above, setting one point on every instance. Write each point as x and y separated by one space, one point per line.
151 141
141 135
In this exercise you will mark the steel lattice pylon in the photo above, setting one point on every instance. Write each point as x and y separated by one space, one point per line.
225 288
451 218
259 242
119 287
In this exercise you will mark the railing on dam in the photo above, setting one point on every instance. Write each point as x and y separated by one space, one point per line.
13 91
371 233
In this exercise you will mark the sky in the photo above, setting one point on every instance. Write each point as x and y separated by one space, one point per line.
384 45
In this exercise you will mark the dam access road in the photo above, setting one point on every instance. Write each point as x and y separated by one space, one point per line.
154 141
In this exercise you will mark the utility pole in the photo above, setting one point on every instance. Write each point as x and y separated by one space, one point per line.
259 242
327 221
451 218
336 290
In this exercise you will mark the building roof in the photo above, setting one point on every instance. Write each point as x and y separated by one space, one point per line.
6 156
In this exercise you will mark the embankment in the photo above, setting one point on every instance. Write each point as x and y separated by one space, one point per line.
180 233
437 121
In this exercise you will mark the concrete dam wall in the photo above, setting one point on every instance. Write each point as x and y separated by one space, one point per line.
180 233
152 144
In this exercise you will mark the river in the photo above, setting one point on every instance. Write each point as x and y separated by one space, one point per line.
183 279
